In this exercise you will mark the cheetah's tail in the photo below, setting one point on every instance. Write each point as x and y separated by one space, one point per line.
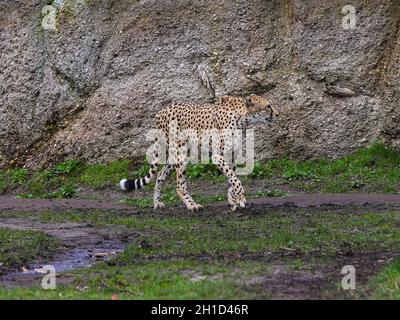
135 184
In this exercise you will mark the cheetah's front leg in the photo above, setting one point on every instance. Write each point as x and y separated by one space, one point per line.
236 197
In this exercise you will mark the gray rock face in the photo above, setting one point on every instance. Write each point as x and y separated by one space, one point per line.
91 88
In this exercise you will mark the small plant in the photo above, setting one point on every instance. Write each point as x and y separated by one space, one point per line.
4 181
258 170
170 197
24 196
142 170
19 175
66 167
64 192
203 170
141 203
296 174
271 193
98 176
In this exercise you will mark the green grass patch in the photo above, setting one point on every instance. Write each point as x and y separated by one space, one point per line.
325 233
270 233
200 256
376 168
180 279
17 248
98 176
372 169
204 171
386 285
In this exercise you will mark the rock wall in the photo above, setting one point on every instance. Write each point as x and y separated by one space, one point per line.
90 88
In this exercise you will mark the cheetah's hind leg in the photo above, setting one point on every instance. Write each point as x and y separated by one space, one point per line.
161 178
181 184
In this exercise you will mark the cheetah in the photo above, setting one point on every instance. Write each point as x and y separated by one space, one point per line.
186 121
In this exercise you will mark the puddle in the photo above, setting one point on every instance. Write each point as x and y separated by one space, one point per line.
82 246
76 259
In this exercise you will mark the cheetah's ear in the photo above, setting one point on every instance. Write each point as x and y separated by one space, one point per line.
247 101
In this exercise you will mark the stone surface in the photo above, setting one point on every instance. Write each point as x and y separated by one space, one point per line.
91 88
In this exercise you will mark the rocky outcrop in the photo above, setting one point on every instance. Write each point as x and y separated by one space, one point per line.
90 88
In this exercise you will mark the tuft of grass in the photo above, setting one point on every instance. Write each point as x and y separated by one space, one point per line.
67 167
18 248
4 183
261 171
99 176
19 176
198 171
140 202
386 285
297 174
64 192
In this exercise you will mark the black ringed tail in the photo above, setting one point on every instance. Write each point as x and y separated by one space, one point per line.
135 184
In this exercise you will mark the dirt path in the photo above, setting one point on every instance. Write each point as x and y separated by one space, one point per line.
321 199
17 204
300 201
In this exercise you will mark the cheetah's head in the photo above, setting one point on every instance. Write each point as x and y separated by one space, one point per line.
257 106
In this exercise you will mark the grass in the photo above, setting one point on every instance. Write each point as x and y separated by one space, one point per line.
186 279
376 168
17 248
231 234
215 256
386 285
211 255
166 236
372 169
64 179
